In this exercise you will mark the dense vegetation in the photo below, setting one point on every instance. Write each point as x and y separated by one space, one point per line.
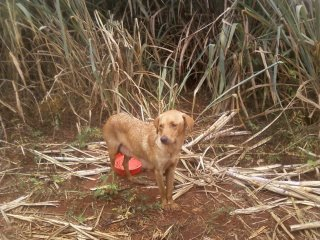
87 59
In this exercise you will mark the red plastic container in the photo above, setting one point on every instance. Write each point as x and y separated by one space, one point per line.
134 165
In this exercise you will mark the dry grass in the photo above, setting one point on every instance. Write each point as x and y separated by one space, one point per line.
299 199
71 63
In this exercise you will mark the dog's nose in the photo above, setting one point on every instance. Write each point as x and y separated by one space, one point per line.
164 139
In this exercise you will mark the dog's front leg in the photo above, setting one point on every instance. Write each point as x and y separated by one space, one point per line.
161 186
169 186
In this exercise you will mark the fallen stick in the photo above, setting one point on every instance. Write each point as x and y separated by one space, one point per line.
81 160
55 233
10 170
304 226
226 133
82 228
260 208
258 232
216 126
82 232
277 188
13 203
309 153
50 159
307 186
56 162
46 220
181 191
258 169
5 207
246 150
4 216
280 223
91 172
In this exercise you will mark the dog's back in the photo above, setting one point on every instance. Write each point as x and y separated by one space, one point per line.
128 133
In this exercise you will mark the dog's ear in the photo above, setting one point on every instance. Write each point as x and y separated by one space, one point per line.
156 123
188 122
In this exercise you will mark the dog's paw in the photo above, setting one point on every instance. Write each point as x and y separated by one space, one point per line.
170 206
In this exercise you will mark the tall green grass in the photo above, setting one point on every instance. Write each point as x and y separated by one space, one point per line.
58 57
75 58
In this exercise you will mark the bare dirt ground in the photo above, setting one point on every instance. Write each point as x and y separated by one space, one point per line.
127 211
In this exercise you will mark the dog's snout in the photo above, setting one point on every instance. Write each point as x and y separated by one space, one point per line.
164 139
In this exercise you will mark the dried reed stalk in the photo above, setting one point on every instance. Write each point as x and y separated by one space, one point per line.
304 226
84 230
215 127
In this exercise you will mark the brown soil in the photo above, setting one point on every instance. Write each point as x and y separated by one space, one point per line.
133 209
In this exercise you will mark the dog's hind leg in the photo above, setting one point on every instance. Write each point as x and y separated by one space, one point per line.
125 165
112 150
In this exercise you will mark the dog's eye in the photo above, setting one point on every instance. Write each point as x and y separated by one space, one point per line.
173 125
161 126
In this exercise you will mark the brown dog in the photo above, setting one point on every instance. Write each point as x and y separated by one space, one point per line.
157 145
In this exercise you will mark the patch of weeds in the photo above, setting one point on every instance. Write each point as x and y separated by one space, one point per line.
248 158
82 194
209 229
311 144
36 159
36 183
104 178
144 204
36 134
173 232
77 194
56 123
69 213
123 212
143 207
143 198
72 215
253 126
80 218
108 190
38 186
86 135
312 163
129 195
57 179
285 136
220 211
23 184
272 159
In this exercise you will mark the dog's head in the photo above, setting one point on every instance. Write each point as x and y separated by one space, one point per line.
172 126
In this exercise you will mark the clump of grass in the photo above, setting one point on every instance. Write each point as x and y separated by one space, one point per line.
144 207
221 211
87 134
57 179
107 189
129 195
